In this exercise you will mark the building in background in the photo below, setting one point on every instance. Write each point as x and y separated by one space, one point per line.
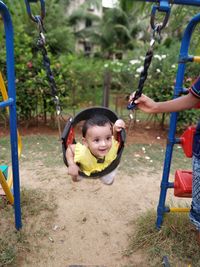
109 3
84 44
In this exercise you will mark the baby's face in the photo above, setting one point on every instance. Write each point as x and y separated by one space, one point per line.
98 139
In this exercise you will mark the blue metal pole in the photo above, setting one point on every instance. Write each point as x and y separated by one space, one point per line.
13 114
177 2
178 89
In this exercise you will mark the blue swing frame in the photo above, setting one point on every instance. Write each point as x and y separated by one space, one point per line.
11 103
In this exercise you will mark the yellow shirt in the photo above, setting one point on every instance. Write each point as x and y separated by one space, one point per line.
88 163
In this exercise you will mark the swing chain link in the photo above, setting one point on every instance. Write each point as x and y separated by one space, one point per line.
47 65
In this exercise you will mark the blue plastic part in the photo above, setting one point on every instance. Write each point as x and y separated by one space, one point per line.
131 106
164 5
12 109
165 185
6 103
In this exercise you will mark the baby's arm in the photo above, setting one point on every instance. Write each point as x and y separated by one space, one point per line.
117 127
72 167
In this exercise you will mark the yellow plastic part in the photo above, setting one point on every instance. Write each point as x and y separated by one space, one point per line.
179 209
10 179
196 59
6 189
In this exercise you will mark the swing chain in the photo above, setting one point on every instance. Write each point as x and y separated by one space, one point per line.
144 72
155 35
47 65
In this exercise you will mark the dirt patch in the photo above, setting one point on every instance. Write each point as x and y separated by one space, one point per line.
93 222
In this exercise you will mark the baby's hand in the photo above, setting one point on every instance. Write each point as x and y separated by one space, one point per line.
119 125
73 171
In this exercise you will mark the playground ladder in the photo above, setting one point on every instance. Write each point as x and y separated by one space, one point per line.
178 90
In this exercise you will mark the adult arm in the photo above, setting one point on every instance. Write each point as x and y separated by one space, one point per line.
181 103
148 105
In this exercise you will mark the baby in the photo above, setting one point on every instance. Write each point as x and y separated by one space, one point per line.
99 148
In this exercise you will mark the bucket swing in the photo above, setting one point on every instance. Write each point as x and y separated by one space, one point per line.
68 137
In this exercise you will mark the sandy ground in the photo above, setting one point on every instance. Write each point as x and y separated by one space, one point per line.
93 222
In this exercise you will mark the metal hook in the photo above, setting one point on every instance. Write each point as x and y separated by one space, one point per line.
153 15
28 8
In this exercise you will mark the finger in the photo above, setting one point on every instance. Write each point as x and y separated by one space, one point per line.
140 99
131 96
74 178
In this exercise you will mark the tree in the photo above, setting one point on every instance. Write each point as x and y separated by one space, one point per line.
119 27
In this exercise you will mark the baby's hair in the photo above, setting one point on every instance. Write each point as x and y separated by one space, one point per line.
96 120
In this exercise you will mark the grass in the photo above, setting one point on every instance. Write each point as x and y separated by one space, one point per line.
136 157
176 240
14 243
46 149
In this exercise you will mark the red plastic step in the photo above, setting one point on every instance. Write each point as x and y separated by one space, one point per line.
187 141
183 183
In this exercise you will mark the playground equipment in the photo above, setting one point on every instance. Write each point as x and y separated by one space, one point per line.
11 104
68 135
182 184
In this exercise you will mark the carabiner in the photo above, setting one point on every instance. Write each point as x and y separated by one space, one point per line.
153 15
28 8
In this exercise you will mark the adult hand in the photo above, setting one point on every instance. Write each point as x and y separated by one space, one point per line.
144 103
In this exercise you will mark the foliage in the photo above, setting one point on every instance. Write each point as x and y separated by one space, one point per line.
33 91
119 33
83 80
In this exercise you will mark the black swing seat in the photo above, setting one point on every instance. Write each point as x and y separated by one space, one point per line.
68 137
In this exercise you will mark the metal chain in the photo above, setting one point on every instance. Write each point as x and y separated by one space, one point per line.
143 74
156 34
47 65
46 61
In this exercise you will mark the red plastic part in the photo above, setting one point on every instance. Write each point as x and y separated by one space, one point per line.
197 105
70 138
183 184
186 140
